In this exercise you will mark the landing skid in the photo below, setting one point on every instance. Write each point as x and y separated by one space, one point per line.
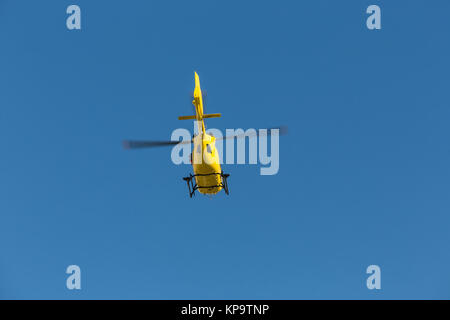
192 184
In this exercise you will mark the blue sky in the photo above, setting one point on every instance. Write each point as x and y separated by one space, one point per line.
364 171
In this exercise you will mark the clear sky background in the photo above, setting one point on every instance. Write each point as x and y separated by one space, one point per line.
364 171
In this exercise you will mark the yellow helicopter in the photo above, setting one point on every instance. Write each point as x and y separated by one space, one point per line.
208 177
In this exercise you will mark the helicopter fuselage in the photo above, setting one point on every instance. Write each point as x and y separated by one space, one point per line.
206 164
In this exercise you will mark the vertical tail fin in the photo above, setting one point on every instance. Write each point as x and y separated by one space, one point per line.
198 98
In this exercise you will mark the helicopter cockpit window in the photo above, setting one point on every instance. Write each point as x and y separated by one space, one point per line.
208 148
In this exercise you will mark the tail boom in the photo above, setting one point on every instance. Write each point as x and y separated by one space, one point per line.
198 103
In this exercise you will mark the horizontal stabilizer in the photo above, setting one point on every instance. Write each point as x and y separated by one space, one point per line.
212 115
205 116
187 118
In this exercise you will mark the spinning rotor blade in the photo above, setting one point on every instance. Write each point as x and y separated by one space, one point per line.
140 144
130 144
282 131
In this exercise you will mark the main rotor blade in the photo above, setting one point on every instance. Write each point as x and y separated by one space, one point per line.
282 130
132 144
140 144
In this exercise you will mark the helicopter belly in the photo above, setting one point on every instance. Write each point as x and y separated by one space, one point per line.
208 178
